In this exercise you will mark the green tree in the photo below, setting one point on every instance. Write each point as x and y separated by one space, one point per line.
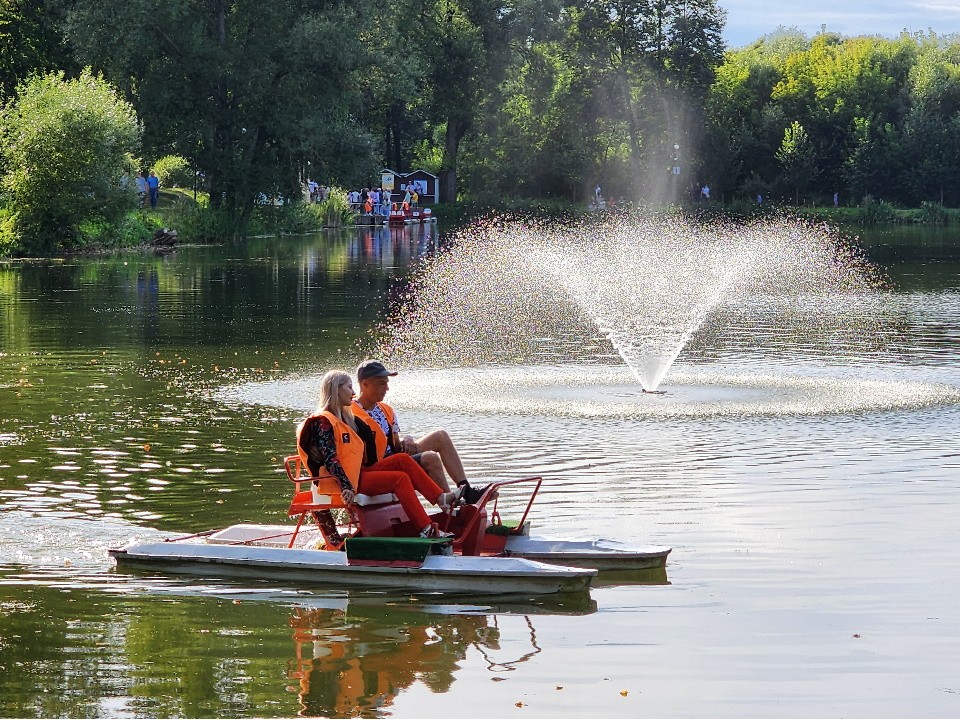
29 42
656 59
875 165
65 144
466 45
248 92
797 158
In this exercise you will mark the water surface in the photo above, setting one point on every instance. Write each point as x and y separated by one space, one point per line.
807 484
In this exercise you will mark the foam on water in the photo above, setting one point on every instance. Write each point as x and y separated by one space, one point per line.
607 391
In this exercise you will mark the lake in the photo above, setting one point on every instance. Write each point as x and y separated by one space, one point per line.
815 564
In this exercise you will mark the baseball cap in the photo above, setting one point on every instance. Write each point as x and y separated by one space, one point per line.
372 369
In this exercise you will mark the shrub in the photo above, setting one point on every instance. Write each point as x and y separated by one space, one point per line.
933 213
64 145
173 171
335 210
205 224
9 240
873 212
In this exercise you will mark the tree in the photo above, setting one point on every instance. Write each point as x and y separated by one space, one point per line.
657 58
797 159
466 46
28 42
248 92
64 145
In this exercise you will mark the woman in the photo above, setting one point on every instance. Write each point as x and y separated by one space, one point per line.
328 440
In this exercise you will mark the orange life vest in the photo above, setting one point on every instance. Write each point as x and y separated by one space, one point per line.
368 207
379 436
350 448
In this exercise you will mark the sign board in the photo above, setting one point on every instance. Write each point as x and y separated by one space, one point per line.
386 181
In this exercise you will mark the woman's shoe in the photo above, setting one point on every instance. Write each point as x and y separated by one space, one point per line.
448 500
433 531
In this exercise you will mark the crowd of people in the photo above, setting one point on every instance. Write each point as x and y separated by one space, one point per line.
371 201
355 439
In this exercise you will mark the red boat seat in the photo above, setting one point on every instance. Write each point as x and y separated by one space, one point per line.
373 514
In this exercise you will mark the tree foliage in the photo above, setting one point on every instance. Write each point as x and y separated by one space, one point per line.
65 145
248 92
502 98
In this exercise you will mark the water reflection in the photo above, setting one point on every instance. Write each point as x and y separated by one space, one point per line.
346 665
790 531
355 659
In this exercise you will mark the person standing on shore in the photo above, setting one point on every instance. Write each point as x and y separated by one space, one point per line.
141 187
153 184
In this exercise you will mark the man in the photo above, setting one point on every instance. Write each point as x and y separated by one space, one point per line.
153 185
435 451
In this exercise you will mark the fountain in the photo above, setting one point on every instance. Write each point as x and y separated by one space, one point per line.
589 319
522 293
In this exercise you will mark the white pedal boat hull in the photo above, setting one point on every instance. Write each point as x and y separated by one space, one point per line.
437 573
596 554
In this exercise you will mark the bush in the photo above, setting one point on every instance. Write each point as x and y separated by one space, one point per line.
64 145
9 240
173 171
205 224
933 213
335 211
873 212
293 218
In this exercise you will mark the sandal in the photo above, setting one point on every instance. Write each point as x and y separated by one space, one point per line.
449 500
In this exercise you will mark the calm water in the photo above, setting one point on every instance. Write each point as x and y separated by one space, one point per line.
812 506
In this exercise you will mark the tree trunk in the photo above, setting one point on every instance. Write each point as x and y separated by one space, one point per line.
448 168
634 128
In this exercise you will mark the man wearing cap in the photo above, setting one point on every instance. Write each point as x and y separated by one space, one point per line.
434 451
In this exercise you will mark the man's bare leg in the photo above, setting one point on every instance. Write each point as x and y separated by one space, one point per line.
432 465
439 441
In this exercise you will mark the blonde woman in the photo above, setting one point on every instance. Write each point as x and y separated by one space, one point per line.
329 441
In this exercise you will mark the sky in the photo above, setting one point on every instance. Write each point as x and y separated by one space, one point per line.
748 20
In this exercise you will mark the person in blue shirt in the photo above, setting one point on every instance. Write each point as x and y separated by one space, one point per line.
153 183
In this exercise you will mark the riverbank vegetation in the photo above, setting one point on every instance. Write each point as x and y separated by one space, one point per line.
512 103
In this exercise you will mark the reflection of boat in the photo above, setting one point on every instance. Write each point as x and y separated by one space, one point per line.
356 659
485 555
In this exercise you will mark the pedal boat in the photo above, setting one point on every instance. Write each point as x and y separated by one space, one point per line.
485 555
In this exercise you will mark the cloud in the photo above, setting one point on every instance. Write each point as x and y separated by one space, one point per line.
748 20
938 7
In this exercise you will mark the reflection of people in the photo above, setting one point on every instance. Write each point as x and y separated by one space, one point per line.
351 664
331 441
435 451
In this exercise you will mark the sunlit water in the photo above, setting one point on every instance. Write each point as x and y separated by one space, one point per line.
806 478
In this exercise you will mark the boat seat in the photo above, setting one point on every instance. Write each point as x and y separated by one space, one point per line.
322 496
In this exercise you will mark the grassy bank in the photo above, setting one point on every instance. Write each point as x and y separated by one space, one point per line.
869 212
